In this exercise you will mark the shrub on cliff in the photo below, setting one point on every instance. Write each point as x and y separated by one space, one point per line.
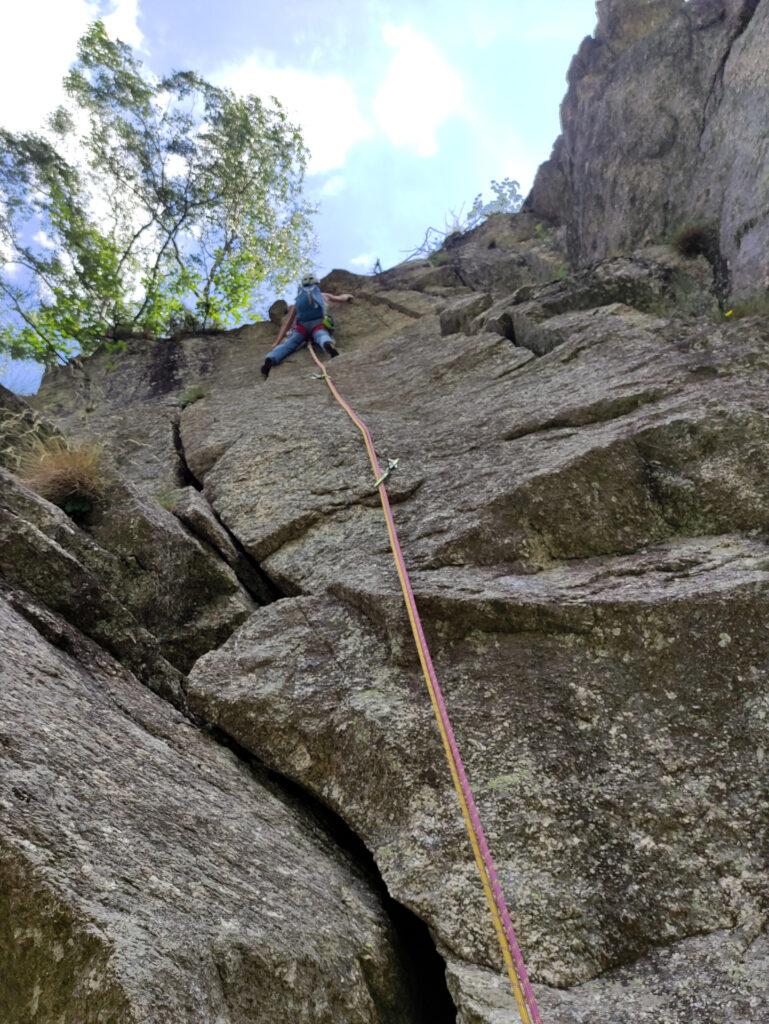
145 202
696 240
507 199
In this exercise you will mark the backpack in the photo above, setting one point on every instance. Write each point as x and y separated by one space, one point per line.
309 304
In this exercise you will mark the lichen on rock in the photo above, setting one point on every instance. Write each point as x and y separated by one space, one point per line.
582 499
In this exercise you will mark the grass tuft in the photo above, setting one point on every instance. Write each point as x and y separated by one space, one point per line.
71 477
191 395
754 305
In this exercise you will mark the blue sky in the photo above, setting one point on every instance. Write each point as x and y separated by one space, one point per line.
409 108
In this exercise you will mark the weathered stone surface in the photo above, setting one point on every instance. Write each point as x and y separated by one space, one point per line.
190 599
132 399
44 553
654 281
195 512
20 428
458 315
277 311
664 127
197 515
582 499
597 620
147 875
137 559
586 680
693 980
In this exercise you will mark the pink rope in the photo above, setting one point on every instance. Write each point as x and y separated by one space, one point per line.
480 836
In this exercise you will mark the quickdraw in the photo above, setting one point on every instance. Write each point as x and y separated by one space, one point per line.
392 465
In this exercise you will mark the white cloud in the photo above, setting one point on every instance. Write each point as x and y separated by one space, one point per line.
37 47
324 106
44 240
123 23
517 162
366 259
10 269
177 166
335 184
420 91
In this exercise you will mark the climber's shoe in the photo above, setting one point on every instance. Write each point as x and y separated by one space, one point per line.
333 352
266 367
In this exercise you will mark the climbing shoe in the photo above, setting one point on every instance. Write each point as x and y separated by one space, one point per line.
266 367
331 350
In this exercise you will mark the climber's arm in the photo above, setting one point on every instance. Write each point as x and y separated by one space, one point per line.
337 298
286 325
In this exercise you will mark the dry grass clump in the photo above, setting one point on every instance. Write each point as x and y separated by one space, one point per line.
695 240
72 477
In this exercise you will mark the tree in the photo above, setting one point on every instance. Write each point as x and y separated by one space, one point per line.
147 205
507 199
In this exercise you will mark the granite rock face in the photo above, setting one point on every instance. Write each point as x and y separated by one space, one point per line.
149 875
583 503
20 426
664 127
136 553
586 532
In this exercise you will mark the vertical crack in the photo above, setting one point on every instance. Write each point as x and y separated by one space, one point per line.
258 583
422 967
185 476
744 19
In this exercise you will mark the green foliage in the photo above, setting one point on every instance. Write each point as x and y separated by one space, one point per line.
191 395
507 199
145 205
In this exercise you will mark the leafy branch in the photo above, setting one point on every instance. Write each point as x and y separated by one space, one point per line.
145 204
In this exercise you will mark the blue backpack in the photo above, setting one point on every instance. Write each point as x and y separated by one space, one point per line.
309 304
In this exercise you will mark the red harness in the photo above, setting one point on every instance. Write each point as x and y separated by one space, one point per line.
307 332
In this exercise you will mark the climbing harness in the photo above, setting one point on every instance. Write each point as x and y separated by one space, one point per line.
308 332
511 951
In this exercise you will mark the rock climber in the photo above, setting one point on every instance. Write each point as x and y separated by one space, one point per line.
310 320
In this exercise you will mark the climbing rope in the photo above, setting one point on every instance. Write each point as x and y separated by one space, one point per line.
511 951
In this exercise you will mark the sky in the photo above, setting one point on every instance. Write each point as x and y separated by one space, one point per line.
409 107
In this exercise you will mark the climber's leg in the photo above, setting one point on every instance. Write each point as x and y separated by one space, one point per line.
287 347
324 341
